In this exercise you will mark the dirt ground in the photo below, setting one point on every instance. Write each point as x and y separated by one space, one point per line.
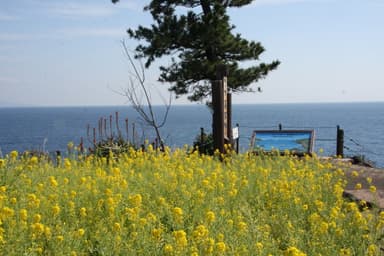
362 174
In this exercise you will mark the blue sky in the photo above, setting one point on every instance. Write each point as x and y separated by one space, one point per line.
67 52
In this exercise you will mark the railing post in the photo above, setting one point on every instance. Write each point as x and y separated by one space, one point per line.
201 136
340 142
237 139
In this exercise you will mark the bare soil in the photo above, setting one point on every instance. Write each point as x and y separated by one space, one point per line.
360 174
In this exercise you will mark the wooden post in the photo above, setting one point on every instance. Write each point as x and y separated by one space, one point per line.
127 128
218 127
218 116
237 139
340 142
202 142
133 133
229 136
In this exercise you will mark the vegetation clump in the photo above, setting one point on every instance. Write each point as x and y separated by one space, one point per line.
176 203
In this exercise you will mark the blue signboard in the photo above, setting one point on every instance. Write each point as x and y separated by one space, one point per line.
296 141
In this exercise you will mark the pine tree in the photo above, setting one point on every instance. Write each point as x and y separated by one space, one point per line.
198 37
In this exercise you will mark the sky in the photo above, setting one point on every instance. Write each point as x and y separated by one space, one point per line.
69 53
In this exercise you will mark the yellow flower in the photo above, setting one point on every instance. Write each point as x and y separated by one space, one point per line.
293 251
131 212
180 238
37 218
60 238
372 250
323 227
116 171
71 204
177 214
200 232
53 181
83 212
14 154
67 164
80 232
39 250
116 226
7 212
372 189
151 217
38 228
156 233
319 204
73 194
259 246
2 162
56 210
210 216
345 252
177 211
242 226
358 186
47 232
23 214
209 246
382 215
135 200
34 160
162 201
168 249
220 247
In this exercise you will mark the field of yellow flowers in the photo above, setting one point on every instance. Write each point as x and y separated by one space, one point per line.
180 203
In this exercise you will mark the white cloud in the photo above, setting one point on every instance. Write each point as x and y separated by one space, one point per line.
76 9
7 17
92 32
79 9
13 36
65 34
131 5
8 80
282 2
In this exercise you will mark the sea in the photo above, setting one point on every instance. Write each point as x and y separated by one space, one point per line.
50 129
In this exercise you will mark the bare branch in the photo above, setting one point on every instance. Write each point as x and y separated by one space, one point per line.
138 91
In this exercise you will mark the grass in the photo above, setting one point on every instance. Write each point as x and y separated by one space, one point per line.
177 203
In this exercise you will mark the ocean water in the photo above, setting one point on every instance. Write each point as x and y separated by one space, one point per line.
50 129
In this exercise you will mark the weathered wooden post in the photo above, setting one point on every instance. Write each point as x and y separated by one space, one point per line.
218 126
133 133
228 136
202 142
340 142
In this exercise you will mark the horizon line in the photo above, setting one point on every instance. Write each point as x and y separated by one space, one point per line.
188 104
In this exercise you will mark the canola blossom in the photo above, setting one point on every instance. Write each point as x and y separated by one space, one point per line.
180 203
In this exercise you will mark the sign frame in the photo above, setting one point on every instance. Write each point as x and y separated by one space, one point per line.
283 140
